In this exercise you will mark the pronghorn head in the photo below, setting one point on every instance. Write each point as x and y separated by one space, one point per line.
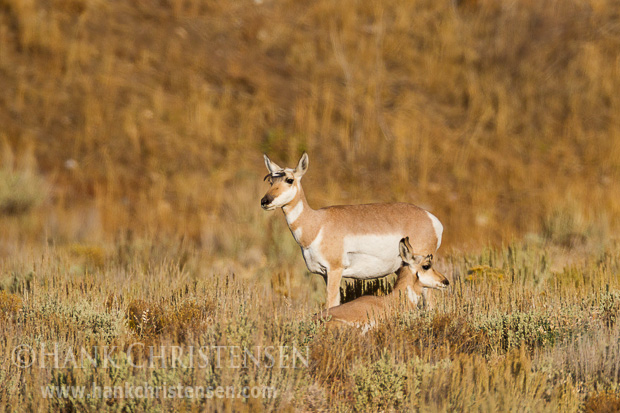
284 183
422 266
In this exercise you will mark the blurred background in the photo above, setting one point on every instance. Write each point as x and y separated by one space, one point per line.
147 119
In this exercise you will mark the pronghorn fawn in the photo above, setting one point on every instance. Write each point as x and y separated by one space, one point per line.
415 274
352 241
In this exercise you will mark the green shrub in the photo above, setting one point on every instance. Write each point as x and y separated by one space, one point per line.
240 331
82 316
18 282
92 257
609 306
379 386
534 329
20 191
484 273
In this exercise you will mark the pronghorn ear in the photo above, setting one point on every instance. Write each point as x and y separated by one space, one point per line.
405 252
271 166
302 166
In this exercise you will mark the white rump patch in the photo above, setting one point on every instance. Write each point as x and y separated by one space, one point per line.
370 256
437 227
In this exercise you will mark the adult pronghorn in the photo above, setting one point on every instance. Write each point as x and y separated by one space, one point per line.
415 274
353 241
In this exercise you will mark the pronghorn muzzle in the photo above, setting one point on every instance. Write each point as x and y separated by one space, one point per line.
443 281
266 201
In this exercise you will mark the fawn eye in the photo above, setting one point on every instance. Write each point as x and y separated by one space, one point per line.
289 180
426 267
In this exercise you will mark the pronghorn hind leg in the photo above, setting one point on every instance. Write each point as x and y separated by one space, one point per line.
333 287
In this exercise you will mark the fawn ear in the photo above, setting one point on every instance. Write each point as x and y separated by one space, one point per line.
272 167
302 166
404 251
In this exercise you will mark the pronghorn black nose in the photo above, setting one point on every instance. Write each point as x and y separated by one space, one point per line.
265 201
446 282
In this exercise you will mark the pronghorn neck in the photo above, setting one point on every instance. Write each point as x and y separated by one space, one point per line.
408 283
296 213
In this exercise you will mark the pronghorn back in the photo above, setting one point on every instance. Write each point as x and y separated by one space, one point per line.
369 309
400 218
357 312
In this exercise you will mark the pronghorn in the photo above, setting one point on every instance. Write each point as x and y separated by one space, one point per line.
352 241
415 274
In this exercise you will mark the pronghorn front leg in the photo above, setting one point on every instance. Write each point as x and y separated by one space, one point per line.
333 287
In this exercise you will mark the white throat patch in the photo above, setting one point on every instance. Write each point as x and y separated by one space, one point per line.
412 296
294 213
285 197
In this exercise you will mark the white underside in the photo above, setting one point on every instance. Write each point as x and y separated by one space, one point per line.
313 257
370 256
364 256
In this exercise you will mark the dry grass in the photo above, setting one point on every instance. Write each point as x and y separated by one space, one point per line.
522 342
131 173
153 116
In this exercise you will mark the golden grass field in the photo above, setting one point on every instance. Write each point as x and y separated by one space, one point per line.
131 142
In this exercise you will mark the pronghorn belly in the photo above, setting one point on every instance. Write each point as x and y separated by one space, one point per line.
312 255
367 266
314 261
370 256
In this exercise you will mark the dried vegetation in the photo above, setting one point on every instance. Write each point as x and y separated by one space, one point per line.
131 173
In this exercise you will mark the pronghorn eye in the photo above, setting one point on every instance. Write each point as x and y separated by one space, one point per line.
426 267
289 181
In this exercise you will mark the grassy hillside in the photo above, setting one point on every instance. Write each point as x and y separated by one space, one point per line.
153 115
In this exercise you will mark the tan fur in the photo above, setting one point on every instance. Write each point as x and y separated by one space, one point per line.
345 220
371 309
367 311
337 222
